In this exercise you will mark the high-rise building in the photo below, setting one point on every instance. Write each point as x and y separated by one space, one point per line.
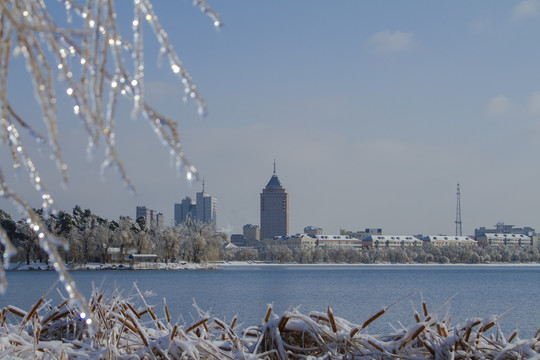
152 218
274 209
185 209
252 232
206 207
203 210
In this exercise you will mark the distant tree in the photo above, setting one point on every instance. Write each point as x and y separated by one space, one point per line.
167 242
277 253
123 235
200 242
26 241
245 254
141 221
7 223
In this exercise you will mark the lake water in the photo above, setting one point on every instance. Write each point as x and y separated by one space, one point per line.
353 292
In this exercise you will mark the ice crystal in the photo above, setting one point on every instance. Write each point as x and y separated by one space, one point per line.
94 65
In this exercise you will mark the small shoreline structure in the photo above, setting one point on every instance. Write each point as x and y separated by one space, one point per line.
127 326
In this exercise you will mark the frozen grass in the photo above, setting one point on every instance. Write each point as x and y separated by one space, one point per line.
126 327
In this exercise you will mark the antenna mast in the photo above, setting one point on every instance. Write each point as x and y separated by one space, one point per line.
458 213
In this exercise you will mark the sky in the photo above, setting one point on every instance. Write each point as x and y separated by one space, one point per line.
373 111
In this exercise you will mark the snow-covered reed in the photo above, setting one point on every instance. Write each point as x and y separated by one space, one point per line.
127 327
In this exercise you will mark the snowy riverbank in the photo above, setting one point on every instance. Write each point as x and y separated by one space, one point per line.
226 264
99 266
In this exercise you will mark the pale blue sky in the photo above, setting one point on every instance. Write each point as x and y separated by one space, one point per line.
374 110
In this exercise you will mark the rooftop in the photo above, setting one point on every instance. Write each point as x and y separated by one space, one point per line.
274 181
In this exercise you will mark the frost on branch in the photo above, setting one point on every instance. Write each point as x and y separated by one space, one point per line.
94 65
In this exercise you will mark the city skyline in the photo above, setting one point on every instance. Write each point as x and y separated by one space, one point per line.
374 111
203 209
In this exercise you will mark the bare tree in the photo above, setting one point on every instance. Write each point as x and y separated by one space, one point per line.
167 243
200 242
26 241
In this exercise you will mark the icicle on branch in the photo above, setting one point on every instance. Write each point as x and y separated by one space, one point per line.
94 65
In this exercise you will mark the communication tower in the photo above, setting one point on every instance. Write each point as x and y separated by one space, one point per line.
458 213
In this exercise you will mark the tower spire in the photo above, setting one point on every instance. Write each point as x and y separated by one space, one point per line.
274 166
203 185
458 213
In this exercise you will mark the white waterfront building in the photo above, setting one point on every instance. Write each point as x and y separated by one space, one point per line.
504 239
442 240
390 241
338 240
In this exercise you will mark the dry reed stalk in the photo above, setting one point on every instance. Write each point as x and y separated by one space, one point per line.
424 308
37 328
128 323
167 315
59 316
227 332
411 338
154 317
487 327
197 324
318 317
511 338
32 312
130 307
468 334
16 311
140 315
95 303
268 313
173 332
380 349
282 323
331 318
367 322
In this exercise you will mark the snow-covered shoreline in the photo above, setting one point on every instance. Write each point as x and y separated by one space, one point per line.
270 264
119 267
231 264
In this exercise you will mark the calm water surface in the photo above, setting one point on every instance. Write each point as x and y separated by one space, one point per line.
353 292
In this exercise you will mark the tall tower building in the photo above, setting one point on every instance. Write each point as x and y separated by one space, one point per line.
203 210
185 209
206 207
274 209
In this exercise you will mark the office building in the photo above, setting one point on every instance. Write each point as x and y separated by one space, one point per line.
203 210
185 209
206 208
274 209
252 232
502 228
152 218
